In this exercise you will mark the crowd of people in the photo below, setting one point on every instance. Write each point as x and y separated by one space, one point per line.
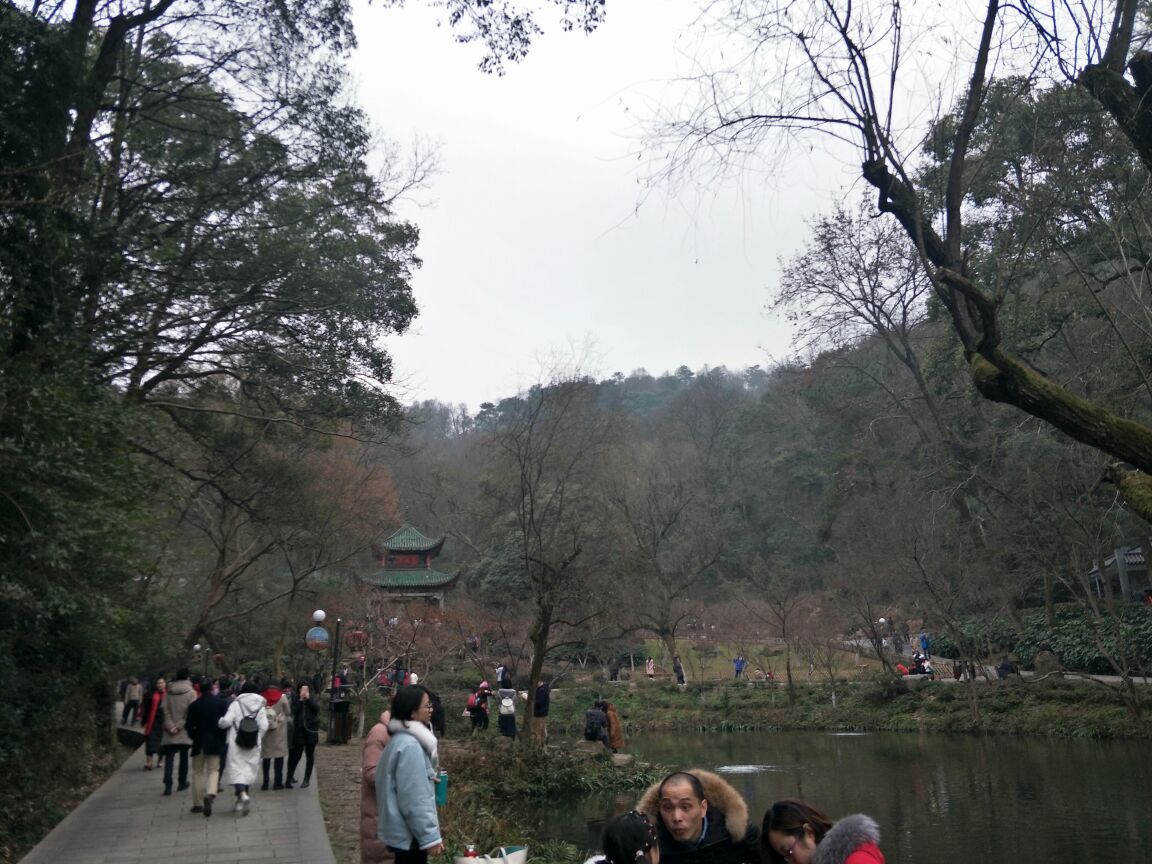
921 665
504 701
690 817
208 733
696 817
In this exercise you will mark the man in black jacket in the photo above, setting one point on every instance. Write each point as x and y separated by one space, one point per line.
700 819
540 705
596 724
208 743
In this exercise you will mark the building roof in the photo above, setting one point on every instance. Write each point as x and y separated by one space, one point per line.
419 577
408 539
1133 558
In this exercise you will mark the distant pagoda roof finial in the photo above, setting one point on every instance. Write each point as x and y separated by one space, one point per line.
408 539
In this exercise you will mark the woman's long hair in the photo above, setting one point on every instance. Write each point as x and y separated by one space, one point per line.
790 817
407 701
627 838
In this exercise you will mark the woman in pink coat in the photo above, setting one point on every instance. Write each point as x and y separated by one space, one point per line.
372 850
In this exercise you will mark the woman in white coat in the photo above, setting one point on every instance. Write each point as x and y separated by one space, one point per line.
242 765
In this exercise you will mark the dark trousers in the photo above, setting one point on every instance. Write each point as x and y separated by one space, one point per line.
279 770
307 750
130 708
479 719
414 855
170 751
507 725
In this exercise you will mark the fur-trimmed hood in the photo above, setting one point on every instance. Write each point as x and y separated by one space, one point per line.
720 795
845 837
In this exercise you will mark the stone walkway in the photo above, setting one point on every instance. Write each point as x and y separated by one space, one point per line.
129 821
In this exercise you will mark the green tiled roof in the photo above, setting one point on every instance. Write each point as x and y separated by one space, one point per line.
408 539
422 577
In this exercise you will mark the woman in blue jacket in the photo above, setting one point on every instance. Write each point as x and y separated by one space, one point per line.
406 778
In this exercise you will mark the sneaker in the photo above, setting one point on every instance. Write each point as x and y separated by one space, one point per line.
196 808
239 807
245 803
167 790
183 786
208 799
305 784
245 797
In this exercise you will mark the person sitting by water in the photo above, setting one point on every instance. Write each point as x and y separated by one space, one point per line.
700 819
615 729
629 838
596 724
901 668
797 833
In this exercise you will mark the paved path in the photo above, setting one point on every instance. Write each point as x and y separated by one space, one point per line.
129 821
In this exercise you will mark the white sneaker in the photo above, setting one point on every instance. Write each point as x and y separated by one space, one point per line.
244 803
238 807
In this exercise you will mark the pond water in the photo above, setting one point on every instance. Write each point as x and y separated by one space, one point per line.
939 799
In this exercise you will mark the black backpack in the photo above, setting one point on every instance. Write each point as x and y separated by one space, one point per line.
248 732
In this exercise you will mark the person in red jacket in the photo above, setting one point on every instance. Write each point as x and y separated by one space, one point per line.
154 721
797 833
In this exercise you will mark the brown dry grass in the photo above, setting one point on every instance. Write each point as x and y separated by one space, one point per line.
338 770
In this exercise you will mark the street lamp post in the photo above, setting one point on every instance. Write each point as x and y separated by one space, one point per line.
335 654
200 649
336 736
317 640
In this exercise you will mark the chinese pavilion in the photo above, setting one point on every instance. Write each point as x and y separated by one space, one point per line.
406 570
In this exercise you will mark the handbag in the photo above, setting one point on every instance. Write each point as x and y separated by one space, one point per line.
500 855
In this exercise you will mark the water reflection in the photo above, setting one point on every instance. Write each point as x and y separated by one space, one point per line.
939 799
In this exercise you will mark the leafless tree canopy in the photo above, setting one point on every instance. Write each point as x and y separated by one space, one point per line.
858 73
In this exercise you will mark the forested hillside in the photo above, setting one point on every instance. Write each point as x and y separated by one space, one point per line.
201 263
868 478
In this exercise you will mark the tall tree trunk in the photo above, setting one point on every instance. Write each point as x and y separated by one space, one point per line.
1049 598
788 667
973 693
669 642
541 628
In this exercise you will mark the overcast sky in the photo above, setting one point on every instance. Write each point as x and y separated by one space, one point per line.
532 242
